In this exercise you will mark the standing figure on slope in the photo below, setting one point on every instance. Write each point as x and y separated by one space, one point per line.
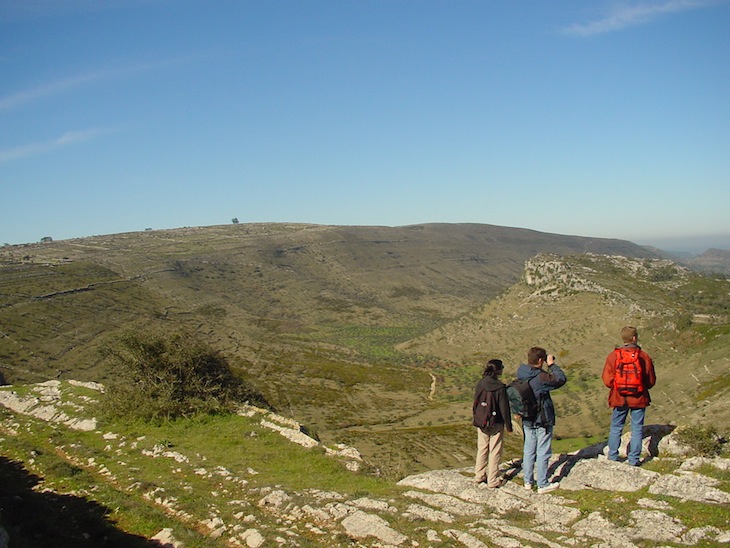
539 431
492 417
629 373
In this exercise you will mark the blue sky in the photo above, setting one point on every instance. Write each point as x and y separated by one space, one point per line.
601 118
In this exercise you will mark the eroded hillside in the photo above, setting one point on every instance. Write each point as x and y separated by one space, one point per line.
318 318
575 307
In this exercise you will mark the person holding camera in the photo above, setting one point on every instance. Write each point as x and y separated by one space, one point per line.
544 376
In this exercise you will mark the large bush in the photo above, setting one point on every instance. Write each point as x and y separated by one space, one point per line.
163 376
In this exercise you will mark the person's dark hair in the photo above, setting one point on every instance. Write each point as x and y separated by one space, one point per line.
494 368
534 354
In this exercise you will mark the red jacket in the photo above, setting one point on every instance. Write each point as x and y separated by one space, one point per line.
643 399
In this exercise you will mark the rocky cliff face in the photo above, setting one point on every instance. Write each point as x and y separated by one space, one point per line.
435 508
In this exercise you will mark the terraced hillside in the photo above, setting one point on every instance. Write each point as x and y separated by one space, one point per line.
319 318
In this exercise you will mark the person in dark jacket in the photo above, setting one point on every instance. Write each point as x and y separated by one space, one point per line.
489 438
539 431
634 405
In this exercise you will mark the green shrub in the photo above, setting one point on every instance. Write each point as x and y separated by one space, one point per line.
163 377
703 440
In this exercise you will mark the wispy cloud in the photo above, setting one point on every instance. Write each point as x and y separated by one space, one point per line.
67 139
46 90
626 15
60 86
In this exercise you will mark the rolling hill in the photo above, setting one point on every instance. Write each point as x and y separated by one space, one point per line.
374 336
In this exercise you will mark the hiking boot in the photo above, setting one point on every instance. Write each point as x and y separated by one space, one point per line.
548 488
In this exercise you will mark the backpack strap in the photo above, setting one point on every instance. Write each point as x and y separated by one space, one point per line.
540 405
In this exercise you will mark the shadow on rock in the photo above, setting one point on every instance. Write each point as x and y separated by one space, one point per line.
34 519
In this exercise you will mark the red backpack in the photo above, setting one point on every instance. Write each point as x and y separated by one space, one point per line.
628 379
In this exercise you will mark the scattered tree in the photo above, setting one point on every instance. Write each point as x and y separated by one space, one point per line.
163 377
234 220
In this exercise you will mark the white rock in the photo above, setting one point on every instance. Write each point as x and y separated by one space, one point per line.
165 539
252 538
466 539
419 511
656 526
606 475
690 487
362 525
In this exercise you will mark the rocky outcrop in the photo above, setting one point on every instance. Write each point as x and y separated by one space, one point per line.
554 512
45 402
438 507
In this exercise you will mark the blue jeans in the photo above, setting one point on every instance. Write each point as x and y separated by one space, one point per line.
618 419
538 449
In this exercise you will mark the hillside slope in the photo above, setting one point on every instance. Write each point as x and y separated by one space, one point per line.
711 261
575 306
258 291
314 316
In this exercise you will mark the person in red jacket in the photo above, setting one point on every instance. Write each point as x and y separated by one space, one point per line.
629 394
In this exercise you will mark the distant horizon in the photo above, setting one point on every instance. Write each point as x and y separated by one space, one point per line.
692 245
695 245
605 119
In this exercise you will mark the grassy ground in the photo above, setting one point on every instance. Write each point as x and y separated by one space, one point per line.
115 491
123 483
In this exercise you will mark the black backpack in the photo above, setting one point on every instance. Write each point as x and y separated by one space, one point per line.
522 400
485 411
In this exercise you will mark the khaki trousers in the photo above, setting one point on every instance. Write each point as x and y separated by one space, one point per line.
489 455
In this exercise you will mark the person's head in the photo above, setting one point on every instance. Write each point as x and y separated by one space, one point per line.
494 368
629 334
535 354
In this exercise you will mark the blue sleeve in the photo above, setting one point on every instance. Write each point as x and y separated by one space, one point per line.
553 378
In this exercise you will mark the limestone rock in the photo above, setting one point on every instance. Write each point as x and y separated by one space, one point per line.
362 525
656 526
606 475
165 539
466 539
418 511
696 462
447 503
596 526
690 487
275 499
252 538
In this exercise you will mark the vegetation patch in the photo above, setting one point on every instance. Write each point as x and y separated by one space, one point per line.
162 377
702 440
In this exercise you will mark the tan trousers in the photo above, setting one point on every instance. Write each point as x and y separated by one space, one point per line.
489 455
